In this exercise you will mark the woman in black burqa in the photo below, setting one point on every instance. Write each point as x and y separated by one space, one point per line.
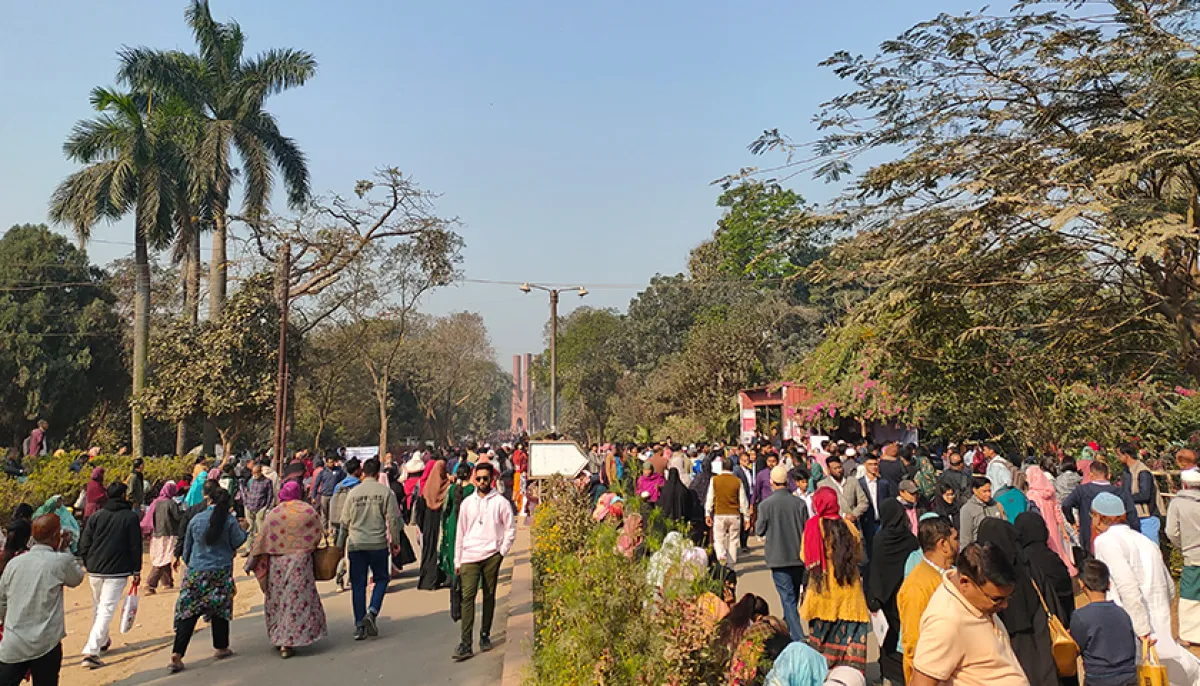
890 549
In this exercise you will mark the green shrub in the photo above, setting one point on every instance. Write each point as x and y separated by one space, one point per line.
52 475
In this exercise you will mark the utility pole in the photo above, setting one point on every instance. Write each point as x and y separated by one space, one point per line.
283 270
527 287
554 361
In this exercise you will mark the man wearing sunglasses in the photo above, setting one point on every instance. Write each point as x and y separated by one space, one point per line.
486 529
962 641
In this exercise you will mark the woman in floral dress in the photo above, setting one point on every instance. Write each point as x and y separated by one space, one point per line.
282 560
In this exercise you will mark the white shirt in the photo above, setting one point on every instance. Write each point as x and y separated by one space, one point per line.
486 526
873 491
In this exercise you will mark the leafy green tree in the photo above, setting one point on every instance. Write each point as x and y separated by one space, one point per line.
60 343
227 93
224 370
133 165
588 369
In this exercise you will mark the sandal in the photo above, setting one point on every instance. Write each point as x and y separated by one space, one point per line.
175 666
222 654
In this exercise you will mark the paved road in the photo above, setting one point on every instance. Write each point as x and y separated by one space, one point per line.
416 638
754 577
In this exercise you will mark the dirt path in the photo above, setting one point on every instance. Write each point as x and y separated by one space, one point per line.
152 630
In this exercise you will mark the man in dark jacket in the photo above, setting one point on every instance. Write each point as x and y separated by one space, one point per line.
781 518
957 474
1081 500
137 486
111 548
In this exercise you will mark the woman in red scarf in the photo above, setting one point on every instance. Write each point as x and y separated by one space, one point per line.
96 495
834 605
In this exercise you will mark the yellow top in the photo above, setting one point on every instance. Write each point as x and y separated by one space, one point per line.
911 602
836 601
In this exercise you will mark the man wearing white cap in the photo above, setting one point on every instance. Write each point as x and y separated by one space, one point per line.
1141 585
1183 528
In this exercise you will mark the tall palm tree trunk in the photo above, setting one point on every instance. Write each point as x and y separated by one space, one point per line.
141 331
191 299
217 279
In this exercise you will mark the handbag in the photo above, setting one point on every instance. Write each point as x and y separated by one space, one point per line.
1062 646
456 600
1151 671
325 561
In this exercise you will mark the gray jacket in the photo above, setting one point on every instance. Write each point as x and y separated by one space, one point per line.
972 515
1183 525
781 518
852 499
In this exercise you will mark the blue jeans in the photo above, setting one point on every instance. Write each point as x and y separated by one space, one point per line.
360 561
1151 527
789 581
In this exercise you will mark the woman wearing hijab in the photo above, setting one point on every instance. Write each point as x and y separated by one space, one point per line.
433 492
650 483
1053 575
1041 493
834 605
946 503
1024 617
195 494
70 527
458 491
281 558
96 494
161 522
894 542
675 501
629 543
701 533
798 665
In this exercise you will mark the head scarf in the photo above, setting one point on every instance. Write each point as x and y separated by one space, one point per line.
650 484
1024 603
945 509
631 535
436 483
290 491
54 505
608 504
1047 567
893 542
290 528
168 491
798 665
195 494
1043 494
674 499
699 485
96 495
661 562
845 676
825 506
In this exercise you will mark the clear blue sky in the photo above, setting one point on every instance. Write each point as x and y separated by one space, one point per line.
575 140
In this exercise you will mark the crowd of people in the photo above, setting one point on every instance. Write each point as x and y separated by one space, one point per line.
966 573
195 529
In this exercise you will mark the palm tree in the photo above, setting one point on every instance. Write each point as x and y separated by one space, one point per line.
228 93
132 165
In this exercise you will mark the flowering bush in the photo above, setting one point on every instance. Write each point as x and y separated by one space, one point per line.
597 618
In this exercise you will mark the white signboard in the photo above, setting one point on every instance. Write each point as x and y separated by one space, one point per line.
547 458
814 443
362 452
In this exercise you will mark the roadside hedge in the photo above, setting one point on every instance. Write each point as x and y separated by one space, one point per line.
52 475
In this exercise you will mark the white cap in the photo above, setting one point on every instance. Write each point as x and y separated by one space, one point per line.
718 466
851 452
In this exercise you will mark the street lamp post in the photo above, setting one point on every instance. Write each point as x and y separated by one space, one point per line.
527 287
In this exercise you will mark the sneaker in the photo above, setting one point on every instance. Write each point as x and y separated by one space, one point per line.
340 580
360 634
462 652
485 643
370 624
107 644
91 662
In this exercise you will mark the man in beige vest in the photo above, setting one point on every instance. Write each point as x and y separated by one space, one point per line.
1138 481
724 509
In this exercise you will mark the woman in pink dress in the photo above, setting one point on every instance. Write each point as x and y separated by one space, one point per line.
1041 493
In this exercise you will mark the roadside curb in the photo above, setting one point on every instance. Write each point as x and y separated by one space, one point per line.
518 651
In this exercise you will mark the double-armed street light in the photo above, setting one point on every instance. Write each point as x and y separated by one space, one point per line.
527 287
